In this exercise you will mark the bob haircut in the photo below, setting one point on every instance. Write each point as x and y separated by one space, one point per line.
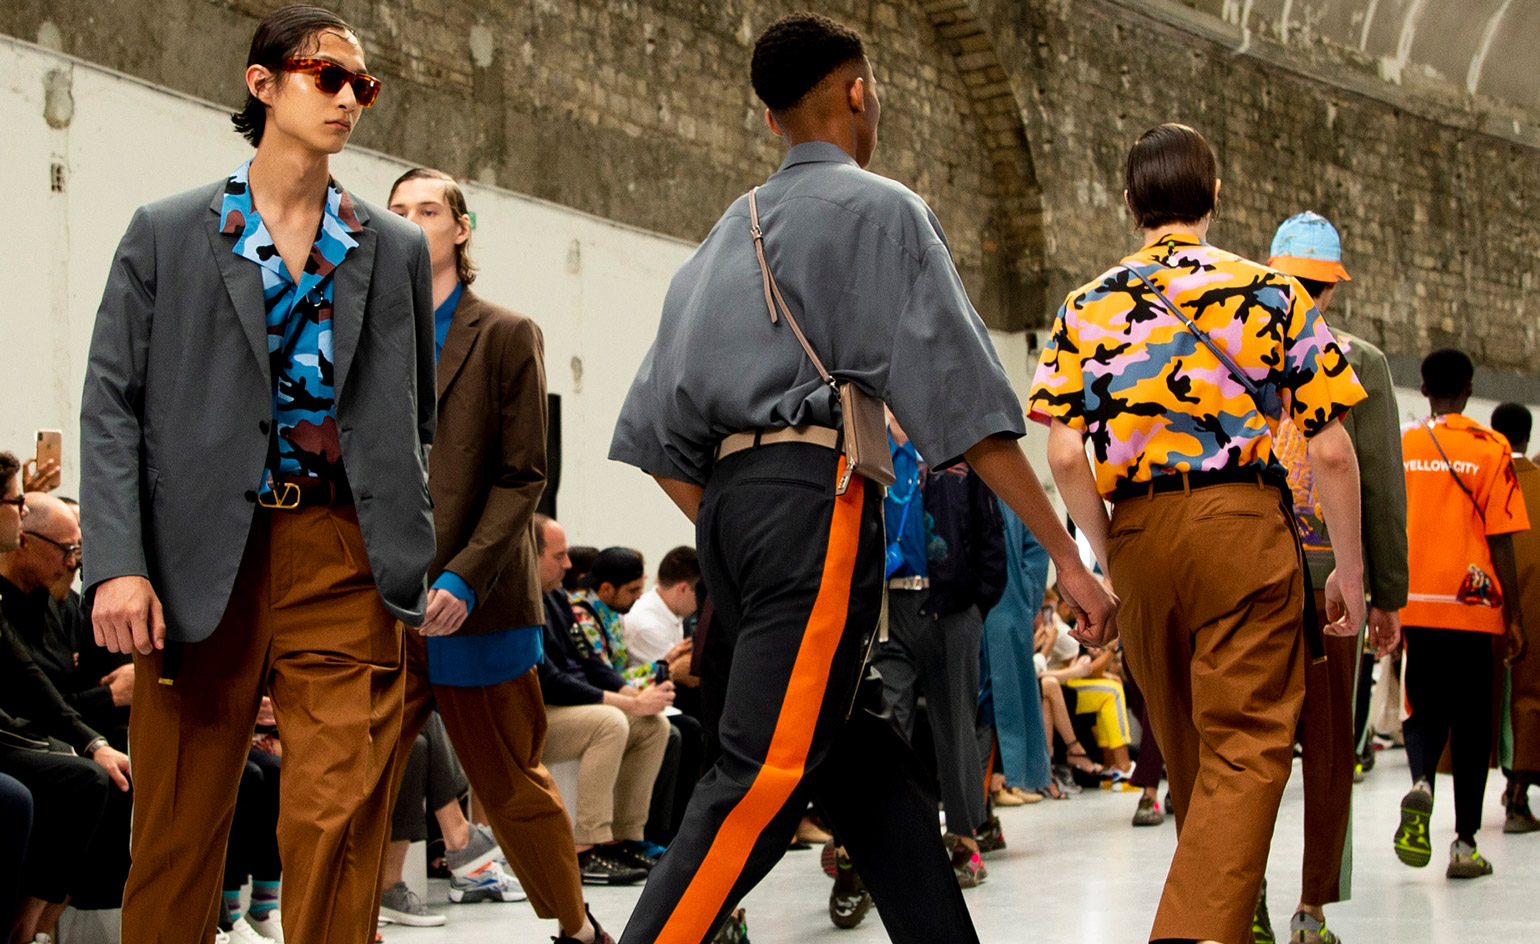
1170 176
290 33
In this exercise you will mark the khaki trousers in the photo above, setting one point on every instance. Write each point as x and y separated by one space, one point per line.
498 732
305 625
1212 606
1329 757
620 757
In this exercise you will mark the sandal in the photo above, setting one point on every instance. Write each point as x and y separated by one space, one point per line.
1075 755
1054 792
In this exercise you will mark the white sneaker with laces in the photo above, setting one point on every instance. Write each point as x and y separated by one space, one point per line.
221 937
243 933
269 925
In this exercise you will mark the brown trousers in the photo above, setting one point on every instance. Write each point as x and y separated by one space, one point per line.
1212 603
1329 757
305 625
498 732
1524 706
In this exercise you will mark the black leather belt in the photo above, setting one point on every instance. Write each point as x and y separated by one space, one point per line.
1181 481
290 493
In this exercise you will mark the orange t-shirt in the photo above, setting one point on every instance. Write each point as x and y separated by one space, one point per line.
1453 583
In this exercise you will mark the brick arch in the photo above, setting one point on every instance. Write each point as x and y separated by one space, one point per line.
1018 250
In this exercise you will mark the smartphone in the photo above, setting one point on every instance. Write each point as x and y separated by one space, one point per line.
50 448
660 673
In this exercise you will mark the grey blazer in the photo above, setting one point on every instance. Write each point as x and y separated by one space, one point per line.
178 401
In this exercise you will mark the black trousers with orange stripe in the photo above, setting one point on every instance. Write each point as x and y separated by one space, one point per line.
795 575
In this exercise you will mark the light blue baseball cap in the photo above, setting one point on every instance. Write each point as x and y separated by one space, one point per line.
1306 246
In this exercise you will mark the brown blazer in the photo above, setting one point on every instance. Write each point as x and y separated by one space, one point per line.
487 468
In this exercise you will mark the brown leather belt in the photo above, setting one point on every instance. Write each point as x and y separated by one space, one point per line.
813 435
291 493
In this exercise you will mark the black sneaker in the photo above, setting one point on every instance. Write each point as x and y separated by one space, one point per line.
597 868
849 901
991 838
1148 813
629 852
600 936
1412 843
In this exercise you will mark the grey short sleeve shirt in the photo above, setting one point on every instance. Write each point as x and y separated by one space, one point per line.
866 270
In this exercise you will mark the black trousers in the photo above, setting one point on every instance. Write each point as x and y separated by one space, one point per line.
676 781
68 794
1449 689
433 780
794 574
15 827
253 848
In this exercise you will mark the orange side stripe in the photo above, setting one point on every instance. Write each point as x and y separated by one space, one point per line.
787 756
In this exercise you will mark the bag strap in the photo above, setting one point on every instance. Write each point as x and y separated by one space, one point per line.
1428 426
1208 342
773 291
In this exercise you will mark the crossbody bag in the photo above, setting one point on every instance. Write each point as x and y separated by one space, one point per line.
1478 588
865 426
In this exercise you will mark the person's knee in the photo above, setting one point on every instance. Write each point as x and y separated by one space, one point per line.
1050 684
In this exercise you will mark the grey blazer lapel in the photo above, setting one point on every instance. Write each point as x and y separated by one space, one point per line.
243 281
350 293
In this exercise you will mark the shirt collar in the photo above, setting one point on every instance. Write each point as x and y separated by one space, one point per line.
334 240
443 316
1172 240
817 152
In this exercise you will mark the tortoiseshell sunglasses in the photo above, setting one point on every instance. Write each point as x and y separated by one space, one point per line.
330 78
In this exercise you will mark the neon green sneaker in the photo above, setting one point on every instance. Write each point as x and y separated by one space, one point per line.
1305 929
1466 862
1412 844
1261 924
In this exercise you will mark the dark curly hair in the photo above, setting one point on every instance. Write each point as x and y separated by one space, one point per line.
1446 372
8 467
290 33
797 52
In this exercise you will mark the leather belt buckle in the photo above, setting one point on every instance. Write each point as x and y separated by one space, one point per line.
909 583
287 500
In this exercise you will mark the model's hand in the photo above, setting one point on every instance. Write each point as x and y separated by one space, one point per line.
115 762
1384 631
120 682
1094 606
127 616
652 699
1344 603
446 613
1516 644
39 478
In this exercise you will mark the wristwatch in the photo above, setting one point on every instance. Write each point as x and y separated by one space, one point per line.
90 749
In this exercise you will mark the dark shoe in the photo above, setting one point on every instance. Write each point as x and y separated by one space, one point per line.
991 838
597 868
735 930
967 865
826 858
1519 818
1366 759
1304 929
600 937
1148 813
1412 844
628 852
849 900
1466 862
1261 924
1065 778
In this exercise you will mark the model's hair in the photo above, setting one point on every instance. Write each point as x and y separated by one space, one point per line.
8 467
797 52
454 200
678 566
1514 421
1314 286
1447 372
1170 176
289 33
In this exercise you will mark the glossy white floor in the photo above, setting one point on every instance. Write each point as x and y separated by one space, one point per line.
1076 871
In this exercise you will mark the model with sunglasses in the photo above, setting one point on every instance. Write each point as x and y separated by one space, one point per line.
257 411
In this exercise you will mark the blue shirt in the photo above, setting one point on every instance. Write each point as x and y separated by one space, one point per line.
905 506
299 328
486 658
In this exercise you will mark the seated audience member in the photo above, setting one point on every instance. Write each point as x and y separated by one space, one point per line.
1089 689
582 558
253 848
66 766
600 605
655 623
434 781
616 732
30 577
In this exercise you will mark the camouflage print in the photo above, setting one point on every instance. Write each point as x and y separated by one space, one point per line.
1152 399
299 328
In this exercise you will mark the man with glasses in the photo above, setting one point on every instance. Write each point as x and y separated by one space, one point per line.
254 474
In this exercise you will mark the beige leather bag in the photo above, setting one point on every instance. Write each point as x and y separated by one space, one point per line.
866 426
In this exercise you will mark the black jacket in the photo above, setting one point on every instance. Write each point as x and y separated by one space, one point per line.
58 637
966 541
31 709
566 678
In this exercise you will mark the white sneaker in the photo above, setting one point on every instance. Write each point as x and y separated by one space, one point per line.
488 883
221 937
270 926
243 933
